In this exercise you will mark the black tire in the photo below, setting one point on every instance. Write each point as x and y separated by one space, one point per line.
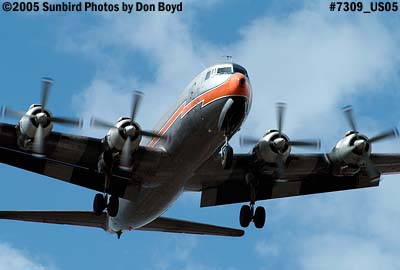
99 204
227 157
245 216
259 217
113 206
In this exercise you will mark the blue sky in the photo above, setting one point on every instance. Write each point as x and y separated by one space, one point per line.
296 51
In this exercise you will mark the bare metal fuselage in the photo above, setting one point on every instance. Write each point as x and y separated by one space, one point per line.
192 133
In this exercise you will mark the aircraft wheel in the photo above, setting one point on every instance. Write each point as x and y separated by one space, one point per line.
245 216
99 204
227 157
113 206
259 217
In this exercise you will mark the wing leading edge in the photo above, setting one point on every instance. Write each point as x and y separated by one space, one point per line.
89 219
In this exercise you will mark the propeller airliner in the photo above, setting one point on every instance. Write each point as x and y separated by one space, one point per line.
188 150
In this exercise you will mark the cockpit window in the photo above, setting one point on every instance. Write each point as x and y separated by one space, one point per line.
224 70
240 69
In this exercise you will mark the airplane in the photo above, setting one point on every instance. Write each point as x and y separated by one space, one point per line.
188 150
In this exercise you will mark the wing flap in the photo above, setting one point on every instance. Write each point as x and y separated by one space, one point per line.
238 191
164 224
386 163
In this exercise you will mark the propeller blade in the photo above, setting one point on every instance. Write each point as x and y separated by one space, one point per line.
126 155
372 171
280 114
38 142
137 98
7 112
46 85
150 134
306 143
385 135
244 140
348 112
75 122
95 122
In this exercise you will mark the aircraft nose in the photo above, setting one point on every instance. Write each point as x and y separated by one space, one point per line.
242 81
240 85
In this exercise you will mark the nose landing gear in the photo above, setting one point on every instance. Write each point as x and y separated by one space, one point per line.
226 155
100 204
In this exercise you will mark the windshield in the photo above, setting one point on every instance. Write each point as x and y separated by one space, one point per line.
240 69
224 70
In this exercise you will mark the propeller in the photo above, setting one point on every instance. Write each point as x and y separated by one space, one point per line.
42 118
280 142
130 131
362 141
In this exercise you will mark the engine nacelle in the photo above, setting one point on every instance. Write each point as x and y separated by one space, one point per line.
273 148
352 149
116 137
28 125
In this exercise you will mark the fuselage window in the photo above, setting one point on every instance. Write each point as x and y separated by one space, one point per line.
208 75
224 70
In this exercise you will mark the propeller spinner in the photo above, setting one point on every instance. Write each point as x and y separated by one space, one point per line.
130 131
361 144
274 147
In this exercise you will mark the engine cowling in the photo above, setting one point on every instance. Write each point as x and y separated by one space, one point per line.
28 124
352 149
273 147
116 137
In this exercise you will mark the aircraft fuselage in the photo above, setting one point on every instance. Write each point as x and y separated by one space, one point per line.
192 136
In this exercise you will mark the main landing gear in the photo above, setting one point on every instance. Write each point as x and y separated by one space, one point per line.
247 212
101 201
226 155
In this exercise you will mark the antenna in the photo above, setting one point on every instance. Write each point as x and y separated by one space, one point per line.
228 58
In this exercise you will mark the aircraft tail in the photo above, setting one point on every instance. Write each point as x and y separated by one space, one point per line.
89 219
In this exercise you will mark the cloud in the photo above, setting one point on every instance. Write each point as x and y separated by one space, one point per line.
313 61
335 251
316 64
12 258
265 249
180 255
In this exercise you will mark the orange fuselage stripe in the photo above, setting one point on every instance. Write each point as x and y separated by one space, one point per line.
229 88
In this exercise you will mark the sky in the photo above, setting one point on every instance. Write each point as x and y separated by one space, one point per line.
295 52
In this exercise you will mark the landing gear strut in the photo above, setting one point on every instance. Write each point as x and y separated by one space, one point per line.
101 201
226 155
247 212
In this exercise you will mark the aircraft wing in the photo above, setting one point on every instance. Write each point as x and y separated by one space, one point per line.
73 159
89 219
303 174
